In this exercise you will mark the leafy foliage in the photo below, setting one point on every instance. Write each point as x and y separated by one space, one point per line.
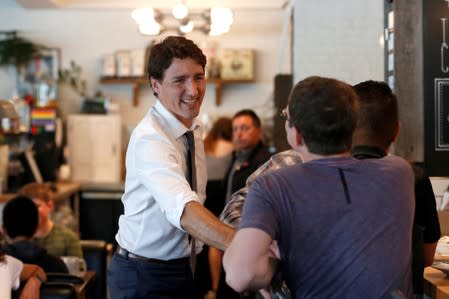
17 51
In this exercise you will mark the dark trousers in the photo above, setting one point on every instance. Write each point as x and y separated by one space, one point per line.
133 279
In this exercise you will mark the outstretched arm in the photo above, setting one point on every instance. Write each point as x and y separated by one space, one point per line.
251 259
204 226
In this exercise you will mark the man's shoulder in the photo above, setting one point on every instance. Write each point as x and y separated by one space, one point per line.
149 123
60 231
396 162
151 128
277 161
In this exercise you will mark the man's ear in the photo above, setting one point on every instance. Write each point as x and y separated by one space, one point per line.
155 85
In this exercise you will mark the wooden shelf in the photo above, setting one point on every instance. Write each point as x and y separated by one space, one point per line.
137 82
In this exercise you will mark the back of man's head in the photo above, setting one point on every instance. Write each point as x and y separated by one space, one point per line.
378 118
324 110
20 217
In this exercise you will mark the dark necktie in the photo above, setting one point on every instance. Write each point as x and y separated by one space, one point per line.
192 181
191 160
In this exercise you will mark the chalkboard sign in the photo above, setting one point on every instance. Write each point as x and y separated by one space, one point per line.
436 86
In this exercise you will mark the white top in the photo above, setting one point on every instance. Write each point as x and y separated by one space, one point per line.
223 148
9 276
156 188
217 167
219 162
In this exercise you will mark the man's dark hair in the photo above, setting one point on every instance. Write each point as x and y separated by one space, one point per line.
325 111
250 113
162 54
20 217
378 116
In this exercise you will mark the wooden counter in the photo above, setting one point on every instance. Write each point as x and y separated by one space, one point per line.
436 284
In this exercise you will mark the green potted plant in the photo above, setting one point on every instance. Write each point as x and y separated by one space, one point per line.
16 50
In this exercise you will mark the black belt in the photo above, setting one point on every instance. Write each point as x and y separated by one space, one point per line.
129 255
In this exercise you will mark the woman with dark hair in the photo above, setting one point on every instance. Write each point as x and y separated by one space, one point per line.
218 147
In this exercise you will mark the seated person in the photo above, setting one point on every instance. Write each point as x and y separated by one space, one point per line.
58 240
20 220
13 272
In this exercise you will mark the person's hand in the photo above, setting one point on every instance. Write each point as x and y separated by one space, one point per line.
31 270
31 290
40 274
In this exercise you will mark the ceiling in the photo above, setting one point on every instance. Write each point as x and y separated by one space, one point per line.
129 4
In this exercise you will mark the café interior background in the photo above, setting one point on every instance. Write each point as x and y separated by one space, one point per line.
340 39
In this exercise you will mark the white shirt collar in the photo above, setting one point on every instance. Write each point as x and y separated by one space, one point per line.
175 127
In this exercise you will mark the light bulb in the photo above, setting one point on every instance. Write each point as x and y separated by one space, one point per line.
180 11
221 15
141 14
150 28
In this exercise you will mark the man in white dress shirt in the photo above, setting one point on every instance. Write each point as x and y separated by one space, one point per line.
163 214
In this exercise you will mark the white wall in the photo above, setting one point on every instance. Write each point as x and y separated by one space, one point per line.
338 39
341 39
85 36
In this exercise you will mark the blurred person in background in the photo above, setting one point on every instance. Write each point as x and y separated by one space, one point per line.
250 152
13 273
20 221
218 148
58 240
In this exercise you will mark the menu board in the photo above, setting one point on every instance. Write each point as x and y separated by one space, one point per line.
436 86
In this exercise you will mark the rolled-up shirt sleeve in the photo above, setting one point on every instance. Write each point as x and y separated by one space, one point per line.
160 165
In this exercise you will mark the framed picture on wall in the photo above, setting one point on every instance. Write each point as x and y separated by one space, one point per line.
43 67
237 64
39 77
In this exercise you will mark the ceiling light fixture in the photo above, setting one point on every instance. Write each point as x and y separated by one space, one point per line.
213 21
